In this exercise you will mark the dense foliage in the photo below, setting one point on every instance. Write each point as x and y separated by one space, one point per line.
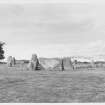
1 50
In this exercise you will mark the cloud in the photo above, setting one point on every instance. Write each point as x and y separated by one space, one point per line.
89 49
52 29
93 48
57 50
52 1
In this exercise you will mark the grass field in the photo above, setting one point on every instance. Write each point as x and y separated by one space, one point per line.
18 86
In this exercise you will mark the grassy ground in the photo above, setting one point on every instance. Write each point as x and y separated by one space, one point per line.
17 85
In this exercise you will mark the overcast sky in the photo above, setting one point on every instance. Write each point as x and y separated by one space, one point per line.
52 29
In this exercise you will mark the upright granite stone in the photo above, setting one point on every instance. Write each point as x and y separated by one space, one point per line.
67 64
13 61
92 64
34 63
75 63
9 61
53 64
60 65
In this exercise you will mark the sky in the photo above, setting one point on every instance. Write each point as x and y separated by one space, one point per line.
52 29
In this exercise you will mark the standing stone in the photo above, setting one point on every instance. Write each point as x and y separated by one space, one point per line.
59 65
75 62
92 64
13 61
30 65
34 58
67 64
9 61
49 63
34 63
62 65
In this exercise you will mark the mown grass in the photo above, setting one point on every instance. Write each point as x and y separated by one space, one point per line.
18 86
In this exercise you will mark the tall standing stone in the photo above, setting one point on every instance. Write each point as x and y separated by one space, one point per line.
59 65
74 63
34 63
67 64
13 61
62 65
93 64
9 61
34 58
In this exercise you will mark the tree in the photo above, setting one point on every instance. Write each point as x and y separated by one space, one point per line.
1 50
